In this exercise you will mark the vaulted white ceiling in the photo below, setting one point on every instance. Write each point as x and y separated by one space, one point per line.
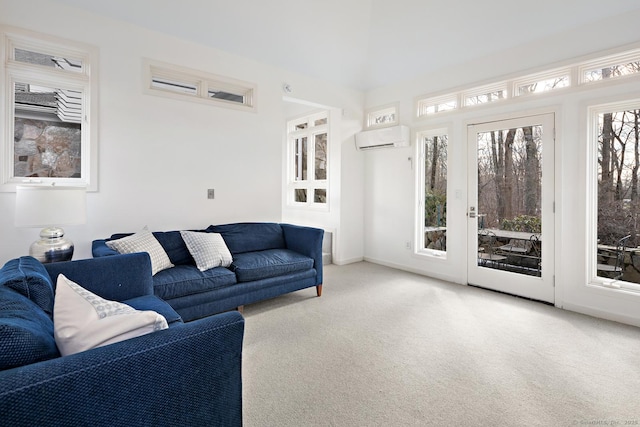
362 44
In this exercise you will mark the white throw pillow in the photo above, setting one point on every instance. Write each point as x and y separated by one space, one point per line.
143 241
207 249
82 320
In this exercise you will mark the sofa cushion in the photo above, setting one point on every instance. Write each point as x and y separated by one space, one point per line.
83 320
154 303
183 280
26 331
250 236
29 277
174 246
207 249
143 241
269 263
171 242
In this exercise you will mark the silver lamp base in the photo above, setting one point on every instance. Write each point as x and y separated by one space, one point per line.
52 247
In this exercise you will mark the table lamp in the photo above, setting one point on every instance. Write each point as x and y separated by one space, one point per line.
50 206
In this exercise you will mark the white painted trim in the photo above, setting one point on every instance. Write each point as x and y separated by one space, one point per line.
451 279
202 80
603 314
347 261
85 81
380 110
618 287
310 184
575 68
419 168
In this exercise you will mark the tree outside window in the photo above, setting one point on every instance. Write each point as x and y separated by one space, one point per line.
308 147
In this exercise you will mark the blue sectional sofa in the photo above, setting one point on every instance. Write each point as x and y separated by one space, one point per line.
269 259
186 375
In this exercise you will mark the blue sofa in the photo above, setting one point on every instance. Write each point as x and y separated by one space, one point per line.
186 375
269 259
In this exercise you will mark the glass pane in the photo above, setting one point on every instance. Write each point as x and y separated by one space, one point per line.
47 130
435 189
301 195
380 117
485 97
618 195
386 118
544 85
174 86
226 96
613 71
509 199
437 108
320 122
36 58
320 195
301 126
300 159
321 156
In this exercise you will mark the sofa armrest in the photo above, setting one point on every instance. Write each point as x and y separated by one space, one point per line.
99 248
187 375
116 278
306 241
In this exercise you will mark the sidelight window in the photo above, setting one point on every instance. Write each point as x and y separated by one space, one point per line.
432 193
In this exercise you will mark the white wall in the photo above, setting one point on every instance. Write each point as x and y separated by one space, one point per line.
390 182
345 197
157 156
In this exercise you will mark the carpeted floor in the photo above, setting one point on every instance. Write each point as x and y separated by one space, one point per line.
383 347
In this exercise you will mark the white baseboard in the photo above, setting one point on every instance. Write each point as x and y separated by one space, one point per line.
594 312
347 261
444 277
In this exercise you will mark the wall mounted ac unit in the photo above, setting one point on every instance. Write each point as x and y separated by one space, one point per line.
396 136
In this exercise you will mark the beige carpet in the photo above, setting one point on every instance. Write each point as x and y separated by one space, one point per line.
383 347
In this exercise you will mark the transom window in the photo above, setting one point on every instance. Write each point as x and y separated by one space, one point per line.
434 105
540 83
182 83
622 65
49 111
382 116
308 140
485 95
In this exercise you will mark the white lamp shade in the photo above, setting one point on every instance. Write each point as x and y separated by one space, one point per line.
51 205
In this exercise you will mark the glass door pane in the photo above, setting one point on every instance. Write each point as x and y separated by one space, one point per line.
510 207
509 199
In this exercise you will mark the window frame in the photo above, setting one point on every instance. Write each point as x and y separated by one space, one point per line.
574 71
632 55
540 77
467 95
203 82
420 170
84 80
372 113
593 113
423 104
311 183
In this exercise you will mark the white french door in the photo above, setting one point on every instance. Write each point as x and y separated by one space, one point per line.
510 242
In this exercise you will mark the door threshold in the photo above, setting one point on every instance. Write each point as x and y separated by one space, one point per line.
513 295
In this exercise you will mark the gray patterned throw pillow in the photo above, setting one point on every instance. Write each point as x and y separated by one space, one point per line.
143 241
208 249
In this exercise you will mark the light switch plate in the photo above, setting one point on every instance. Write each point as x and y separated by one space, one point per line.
210 193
